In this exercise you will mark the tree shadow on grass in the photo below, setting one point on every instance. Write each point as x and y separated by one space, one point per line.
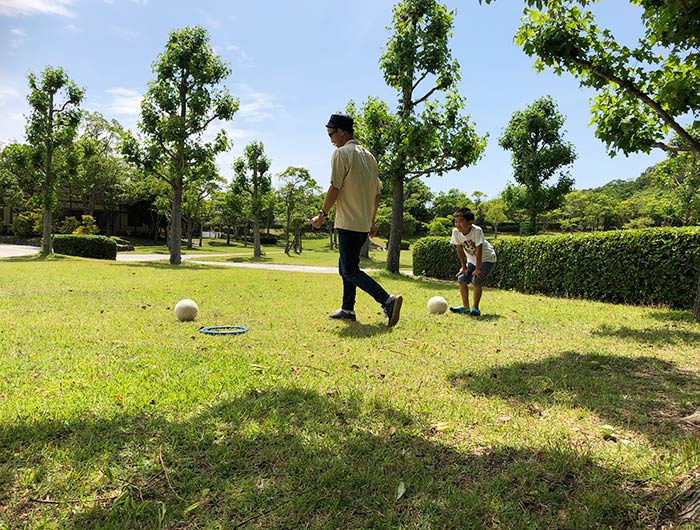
671 315
644 394
291 458
668 336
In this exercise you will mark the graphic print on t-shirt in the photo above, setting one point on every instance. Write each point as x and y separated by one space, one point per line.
469 246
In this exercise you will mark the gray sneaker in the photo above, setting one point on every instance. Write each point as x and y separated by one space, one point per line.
342 314
392 309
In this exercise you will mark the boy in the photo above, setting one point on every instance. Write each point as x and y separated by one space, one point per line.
477 257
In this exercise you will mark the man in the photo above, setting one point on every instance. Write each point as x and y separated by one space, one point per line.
354 189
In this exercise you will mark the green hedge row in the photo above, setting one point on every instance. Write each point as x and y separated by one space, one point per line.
435 257
85 246
651 266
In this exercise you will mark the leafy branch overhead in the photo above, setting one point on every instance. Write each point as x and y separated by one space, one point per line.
643 92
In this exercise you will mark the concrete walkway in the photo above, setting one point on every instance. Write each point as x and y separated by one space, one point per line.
13 251
9 251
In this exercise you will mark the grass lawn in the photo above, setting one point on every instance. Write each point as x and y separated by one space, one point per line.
543 413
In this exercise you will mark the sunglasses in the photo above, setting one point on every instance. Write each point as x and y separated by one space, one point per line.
330 134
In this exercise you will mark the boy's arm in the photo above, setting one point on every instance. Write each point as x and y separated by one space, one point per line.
461 256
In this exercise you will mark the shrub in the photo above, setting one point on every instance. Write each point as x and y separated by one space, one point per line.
651 266
86 246
68 225
28 223
435 257
440 226
405 245
88 226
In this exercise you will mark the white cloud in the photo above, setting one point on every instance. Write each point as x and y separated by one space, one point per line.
255 106
14 8
243 58
122 104
124 101
14 106
17 38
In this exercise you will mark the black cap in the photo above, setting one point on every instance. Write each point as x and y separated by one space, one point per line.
340 121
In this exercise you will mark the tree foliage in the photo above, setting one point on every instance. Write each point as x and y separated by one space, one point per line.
54 102
180 104
298 195
538 153
252 178
428 134
643 92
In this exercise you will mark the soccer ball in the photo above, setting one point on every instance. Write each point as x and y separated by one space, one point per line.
186 310
437 305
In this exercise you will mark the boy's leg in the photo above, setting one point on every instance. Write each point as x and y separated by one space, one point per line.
477 294
478 283
464 292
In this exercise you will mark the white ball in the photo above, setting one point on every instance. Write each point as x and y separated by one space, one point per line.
186 309
437 305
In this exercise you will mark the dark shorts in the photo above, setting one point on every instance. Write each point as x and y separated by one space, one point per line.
486 270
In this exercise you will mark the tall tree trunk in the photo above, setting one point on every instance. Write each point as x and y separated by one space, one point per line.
46 241
257 252
176 225
393 254
696 304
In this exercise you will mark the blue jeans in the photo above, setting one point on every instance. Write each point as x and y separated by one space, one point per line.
350 244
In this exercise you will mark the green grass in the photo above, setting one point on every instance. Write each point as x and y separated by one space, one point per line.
114 415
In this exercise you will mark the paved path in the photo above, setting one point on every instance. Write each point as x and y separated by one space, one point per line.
9 251
13 251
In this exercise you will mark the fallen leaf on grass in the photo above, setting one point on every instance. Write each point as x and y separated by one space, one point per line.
440 426
505 419
400 490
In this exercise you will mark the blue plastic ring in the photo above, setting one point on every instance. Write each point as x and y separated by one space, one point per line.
223 330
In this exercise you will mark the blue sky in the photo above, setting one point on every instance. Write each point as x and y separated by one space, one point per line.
294 63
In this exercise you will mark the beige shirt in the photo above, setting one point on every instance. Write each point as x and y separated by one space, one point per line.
354 172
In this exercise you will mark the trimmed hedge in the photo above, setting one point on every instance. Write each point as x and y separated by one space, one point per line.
435 257
85 246
651 266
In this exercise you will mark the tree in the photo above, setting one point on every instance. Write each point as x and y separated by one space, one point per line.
680 174
427 135
101 174
538 153
18 182
495 213
230 209
195 205
54 102
176 111
642 93
297 195
445 204
252 178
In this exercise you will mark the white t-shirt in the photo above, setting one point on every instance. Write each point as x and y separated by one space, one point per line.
470 241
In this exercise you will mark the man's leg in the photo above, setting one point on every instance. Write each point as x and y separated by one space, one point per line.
350 244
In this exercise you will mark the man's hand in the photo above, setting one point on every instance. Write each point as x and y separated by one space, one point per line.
317 221
373 230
